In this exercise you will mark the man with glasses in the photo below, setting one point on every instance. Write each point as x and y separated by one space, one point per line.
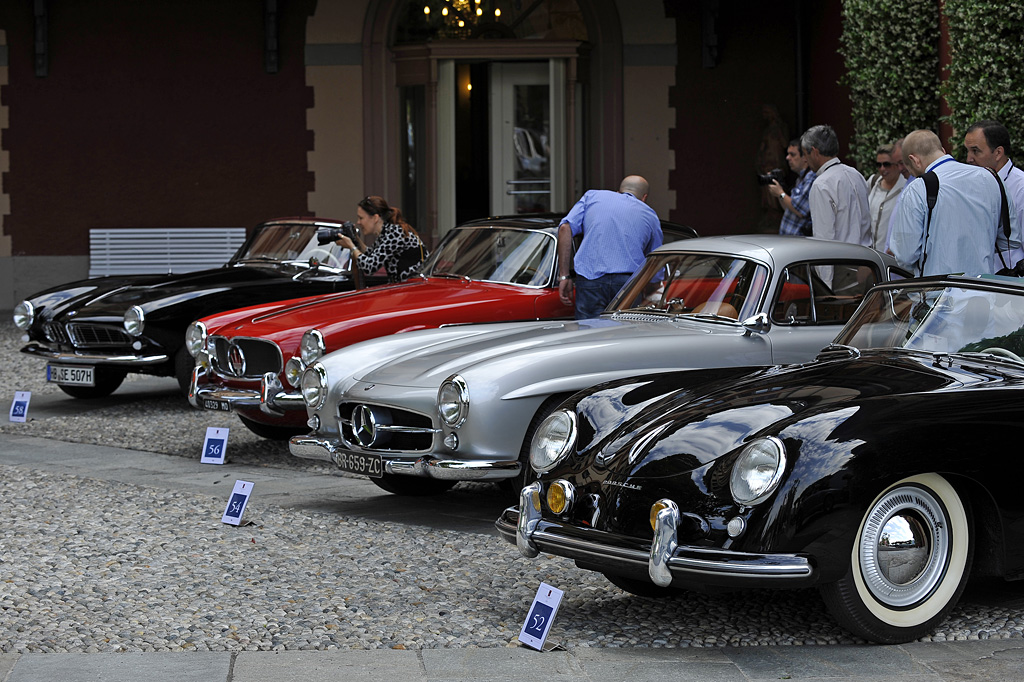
796 209
839 195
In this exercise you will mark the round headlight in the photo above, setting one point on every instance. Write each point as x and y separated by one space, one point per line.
24 314
195 338
134 320
313 386
312 347
453 401
757 471
553 440
293 371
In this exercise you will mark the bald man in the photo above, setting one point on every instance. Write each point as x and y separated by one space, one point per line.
964 228
619 229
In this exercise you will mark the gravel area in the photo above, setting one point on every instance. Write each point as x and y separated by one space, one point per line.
97 566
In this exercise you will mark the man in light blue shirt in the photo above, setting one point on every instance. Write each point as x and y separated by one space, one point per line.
965 224
619 229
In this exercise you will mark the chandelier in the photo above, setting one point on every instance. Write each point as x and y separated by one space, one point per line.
459 18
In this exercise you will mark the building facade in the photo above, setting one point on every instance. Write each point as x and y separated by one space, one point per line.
171 113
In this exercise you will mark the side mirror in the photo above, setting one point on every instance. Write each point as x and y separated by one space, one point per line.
758 324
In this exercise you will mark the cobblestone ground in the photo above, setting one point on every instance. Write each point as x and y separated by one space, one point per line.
88 565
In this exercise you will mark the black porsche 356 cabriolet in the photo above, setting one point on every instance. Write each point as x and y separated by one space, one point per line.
93 332
885 472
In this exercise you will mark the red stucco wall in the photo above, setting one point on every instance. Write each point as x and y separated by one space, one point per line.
153 114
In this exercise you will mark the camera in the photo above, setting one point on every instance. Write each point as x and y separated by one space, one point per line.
774 174
326 235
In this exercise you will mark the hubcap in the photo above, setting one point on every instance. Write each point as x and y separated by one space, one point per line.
904 547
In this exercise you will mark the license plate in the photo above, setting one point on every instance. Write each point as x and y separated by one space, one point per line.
71 376
217 405
366 465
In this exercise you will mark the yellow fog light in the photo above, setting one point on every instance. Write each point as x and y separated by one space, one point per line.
656 508
560 497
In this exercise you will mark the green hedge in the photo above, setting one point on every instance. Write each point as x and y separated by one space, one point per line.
891 48
986 76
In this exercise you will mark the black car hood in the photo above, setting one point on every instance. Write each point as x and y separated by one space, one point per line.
687 429
104 296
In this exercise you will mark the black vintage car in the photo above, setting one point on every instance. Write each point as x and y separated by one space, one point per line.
94 332
884 473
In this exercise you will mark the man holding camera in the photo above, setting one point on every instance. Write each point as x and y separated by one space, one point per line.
839 195
796 210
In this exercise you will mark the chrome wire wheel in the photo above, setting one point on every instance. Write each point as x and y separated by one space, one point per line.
909 564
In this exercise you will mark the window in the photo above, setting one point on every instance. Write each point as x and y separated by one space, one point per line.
815 293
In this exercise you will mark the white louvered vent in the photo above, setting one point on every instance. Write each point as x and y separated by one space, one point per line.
129 251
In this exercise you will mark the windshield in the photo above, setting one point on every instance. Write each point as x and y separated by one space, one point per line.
493 254
293 242
941 319
694 283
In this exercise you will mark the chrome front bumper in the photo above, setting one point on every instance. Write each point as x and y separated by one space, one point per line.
79 358
271 397
665 562
328 450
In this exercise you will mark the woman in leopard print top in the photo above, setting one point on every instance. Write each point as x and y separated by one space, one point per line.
397 248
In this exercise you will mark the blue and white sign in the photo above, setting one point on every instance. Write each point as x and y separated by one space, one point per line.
215 446
542 615
19 408
236 505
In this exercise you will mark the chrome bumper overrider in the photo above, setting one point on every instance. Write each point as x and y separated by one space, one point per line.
665 560
78 358
327 450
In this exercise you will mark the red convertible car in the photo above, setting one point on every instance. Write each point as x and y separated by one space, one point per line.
249 361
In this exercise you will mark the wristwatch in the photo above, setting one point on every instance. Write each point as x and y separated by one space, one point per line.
782 196
562 278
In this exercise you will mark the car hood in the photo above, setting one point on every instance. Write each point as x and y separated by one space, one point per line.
555 349
671 424
416 304
113 295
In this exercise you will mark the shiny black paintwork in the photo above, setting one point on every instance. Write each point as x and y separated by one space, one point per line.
172 302
851 427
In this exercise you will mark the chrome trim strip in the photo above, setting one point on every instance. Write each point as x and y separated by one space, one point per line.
93 358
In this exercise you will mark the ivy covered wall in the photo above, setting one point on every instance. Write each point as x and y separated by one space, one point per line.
986 75
897 84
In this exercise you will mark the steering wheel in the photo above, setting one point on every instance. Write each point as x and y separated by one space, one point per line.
996 350
526 275
330 261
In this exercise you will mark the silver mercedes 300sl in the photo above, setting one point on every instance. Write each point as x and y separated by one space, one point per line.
418 412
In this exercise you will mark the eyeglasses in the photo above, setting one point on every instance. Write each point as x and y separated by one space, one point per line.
883 164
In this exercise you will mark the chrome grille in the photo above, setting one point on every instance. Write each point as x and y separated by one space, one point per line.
396 430
97 336
261 356
55 332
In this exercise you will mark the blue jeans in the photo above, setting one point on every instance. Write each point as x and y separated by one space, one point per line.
593 295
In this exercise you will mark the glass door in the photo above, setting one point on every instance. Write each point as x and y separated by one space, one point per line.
523 151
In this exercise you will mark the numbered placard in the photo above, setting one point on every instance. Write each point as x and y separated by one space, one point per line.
542 615
236 505
19 408
215 446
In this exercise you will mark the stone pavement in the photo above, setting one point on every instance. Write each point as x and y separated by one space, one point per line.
987 660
